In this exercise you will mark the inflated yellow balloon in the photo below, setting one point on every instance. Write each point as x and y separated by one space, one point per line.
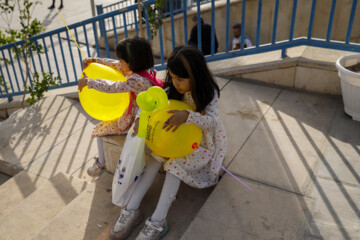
154 98
100 105
171 144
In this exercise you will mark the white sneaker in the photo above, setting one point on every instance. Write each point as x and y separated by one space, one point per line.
153 230
97 169
126 222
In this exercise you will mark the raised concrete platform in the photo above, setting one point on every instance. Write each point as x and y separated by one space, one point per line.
307 68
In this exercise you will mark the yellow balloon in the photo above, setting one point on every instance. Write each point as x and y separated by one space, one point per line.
171 144
154 98
100 105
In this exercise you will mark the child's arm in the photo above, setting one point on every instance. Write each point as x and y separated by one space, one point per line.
108 86
132 84
208 121
205 122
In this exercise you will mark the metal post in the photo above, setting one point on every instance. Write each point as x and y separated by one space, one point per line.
92 4
99 9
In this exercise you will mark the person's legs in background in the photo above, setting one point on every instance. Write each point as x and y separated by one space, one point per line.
53 5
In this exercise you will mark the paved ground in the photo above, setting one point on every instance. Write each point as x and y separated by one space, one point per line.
299 153
73 11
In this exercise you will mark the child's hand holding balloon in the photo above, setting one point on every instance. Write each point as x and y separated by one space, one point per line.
83 82
178 118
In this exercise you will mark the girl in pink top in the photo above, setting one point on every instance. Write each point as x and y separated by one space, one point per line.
135 60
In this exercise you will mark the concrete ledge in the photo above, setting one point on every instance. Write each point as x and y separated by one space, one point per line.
113 146
112 150
7 108
9 168
306 68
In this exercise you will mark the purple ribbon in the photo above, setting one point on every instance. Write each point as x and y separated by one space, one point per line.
223 168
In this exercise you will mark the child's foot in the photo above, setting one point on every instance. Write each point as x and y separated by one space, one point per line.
126 222
61 6
51 7
153 230
97 169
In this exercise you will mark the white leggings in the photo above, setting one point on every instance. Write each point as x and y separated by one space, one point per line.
168 192
101 159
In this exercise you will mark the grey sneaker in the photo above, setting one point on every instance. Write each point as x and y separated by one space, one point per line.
97 169
153 230
126 222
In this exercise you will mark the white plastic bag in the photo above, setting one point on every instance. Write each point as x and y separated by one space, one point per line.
128 170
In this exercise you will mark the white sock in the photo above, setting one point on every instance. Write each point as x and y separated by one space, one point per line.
152 168
167 196
101 159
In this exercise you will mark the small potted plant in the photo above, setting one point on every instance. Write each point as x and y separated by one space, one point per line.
349 72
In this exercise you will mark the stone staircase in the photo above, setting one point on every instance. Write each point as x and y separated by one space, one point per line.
86 216
62 207
28 216
47 148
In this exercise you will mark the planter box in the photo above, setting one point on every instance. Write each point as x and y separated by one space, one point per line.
350 85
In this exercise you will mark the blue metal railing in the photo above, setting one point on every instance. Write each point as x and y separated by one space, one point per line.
178 6
64 59
118 22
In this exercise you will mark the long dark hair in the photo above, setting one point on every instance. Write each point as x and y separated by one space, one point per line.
189 62
137 52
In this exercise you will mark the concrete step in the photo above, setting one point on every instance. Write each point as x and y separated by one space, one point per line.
47 138
90 215
26 134
306 68
3 178
16 189
86 216
184 209
31 214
